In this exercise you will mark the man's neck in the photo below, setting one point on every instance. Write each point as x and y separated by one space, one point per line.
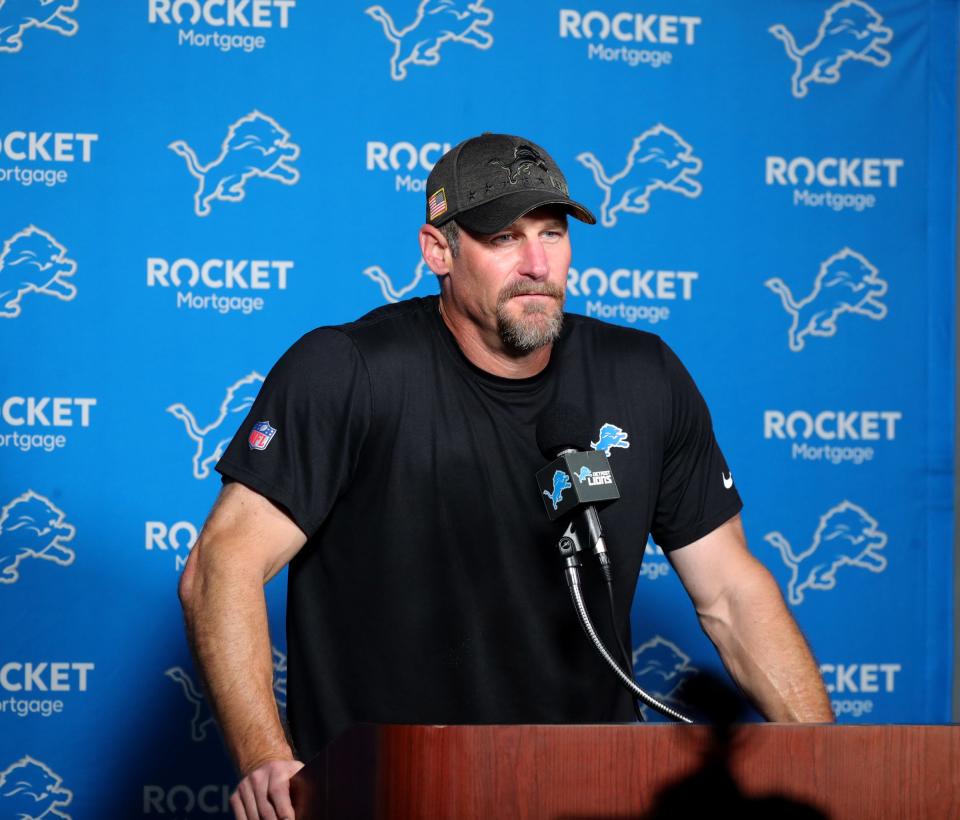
492 355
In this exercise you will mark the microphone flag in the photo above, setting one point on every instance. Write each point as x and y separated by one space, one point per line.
576 478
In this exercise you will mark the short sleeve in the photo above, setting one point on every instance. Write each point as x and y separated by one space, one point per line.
696 485
301 439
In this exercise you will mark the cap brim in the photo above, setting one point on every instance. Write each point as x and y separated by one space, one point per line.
503 211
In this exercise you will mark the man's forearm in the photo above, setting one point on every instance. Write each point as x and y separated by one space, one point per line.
765 652
227 625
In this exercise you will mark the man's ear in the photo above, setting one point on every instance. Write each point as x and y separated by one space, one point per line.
436 252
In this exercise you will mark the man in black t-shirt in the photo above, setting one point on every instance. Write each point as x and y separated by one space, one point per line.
390 462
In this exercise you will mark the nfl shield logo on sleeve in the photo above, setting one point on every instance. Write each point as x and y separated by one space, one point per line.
261 435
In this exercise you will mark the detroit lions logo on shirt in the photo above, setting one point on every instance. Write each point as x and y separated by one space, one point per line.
610 436
561 482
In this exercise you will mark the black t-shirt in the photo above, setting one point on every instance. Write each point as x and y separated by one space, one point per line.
430 589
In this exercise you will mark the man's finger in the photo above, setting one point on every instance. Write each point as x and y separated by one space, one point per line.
261 784
245 790
280 797
239 812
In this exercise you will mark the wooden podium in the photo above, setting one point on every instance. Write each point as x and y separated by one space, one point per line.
629 771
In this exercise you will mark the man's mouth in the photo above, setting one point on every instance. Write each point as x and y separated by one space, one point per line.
546 291
534 296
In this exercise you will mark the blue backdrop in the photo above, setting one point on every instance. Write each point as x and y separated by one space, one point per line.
186 186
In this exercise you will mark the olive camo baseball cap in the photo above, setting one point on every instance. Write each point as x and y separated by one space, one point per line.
489 182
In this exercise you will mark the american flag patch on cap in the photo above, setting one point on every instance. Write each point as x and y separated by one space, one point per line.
437 204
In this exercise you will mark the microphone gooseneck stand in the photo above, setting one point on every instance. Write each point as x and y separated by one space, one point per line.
569 548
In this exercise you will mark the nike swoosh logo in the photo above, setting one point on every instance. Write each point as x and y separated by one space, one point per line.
727 480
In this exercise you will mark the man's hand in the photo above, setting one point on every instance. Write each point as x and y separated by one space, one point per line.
264 794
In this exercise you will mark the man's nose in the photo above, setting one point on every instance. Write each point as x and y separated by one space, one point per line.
533 261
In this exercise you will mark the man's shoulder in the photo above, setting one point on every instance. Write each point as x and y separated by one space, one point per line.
387 336
619 338
392 334
387 322
380 329
392 318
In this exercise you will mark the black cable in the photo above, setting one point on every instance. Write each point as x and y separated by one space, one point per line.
627 660
607 569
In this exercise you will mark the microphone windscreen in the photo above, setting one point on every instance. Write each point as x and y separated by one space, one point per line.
563 426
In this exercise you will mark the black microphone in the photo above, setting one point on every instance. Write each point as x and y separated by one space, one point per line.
562 426
578 477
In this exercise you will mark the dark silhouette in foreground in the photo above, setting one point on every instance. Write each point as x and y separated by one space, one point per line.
712 788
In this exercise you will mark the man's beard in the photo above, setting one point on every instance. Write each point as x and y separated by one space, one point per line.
537 325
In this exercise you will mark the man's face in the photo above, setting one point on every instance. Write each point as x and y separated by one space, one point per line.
512 283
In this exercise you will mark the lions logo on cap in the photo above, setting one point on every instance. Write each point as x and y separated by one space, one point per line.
524 160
